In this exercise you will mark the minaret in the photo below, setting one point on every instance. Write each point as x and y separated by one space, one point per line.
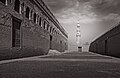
78 37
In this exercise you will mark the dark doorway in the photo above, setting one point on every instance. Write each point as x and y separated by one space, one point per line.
16 32
50 42
106 47
60 45
96 47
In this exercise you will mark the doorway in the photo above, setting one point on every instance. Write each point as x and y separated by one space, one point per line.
16 42
106 47
50 42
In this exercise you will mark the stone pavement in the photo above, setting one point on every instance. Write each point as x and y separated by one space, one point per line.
66 65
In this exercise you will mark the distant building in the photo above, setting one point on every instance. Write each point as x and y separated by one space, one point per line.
78 37
85 47
27 28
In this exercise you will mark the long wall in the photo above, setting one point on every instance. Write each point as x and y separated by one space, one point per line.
28 28
108 43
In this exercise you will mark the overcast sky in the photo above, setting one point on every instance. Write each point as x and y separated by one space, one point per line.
95 16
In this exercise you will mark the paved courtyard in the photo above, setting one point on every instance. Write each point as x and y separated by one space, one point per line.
65 65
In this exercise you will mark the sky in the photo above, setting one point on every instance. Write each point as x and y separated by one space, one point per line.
95 17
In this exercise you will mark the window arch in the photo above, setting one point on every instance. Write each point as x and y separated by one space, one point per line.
53 30
50 29
48 26
17 6
35 17
44 23
40 21
27 12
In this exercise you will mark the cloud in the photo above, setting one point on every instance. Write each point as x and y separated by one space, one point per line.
104 7
95 16
82 1
88 11
112 16
58 5
70 10
78 11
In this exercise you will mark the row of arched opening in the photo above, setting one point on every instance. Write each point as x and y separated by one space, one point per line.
40 20
21 8
31 15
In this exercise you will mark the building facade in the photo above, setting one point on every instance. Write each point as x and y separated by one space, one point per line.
108 43
28 28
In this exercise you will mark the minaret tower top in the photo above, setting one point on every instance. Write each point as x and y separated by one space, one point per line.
78 37
78 34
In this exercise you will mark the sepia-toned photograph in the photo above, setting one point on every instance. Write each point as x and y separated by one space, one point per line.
59 38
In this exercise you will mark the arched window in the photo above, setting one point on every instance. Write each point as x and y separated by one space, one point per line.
27 12
35 17
47 26
40 20
17 5
44 24
3 1
50 29
53 30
